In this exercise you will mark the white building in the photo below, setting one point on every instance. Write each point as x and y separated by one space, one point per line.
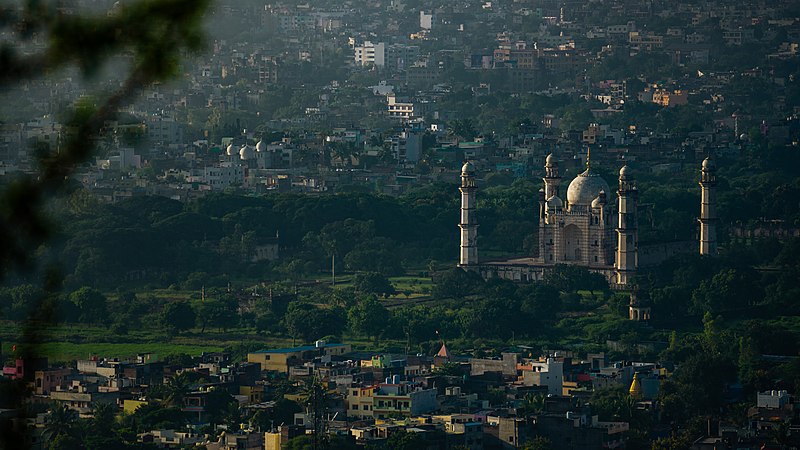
164 130
772 399
426 20
370 54
586 228
124 159
548 373
224 175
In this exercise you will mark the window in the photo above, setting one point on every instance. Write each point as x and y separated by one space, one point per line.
355 407
355 393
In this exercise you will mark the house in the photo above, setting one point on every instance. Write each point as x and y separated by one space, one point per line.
390 399
280 359
171 438
549 373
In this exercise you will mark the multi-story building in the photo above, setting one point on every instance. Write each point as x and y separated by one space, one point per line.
360 401
370 54
224 175
164 129
645 41
402 399
549 373
400 56
281 359
400 108
391 57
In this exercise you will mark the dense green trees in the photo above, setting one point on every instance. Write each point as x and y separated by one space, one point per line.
16 301
373 283
368 317
220 312
177 317
91 305
159 241
569 278
308 322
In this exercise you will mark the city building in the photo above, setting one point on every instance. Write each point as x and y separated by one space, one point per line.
281 359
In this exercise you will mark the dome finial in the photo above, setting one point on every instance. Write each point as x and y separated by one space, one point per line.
588 157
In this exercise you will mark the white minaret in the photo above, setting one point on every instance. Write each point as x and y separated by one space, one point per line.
552 180
708 208
626 260
469 222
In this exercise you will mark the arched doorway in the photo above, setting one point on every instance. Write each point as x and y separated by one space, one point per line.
572 243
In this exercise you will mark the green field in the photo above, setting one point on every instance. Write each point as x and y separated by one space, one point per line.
412 284
66 351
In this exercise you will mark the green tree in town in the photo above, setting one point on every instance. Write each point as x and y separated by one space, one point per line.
539 443
177 316
91 304
177 387
218 312
456 283
368 317
373 283
61 423
307 322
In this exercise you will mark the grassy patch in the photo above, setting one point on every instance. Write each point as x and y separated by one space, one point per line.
413 285
67 351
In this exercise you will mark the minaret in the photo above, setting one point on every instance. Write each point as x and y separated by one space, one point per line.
626 260
708 208
552 180
469 222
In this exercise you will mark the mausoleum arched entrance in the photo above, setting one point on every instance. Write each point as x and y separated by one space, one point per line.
572 243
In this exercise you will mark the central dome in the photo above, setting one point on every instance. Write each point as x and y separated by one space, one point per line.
585 188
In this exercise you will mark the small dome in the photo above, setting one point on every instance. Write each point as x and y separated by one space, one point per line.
468 168
231 150
585 188
708 164
246 152
600 200
261 146
551 160
555 203
625 172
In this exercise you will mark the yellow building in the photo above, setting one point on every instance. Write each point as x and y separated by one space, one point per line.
272 441
360 401
130 406
254 394
281 359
